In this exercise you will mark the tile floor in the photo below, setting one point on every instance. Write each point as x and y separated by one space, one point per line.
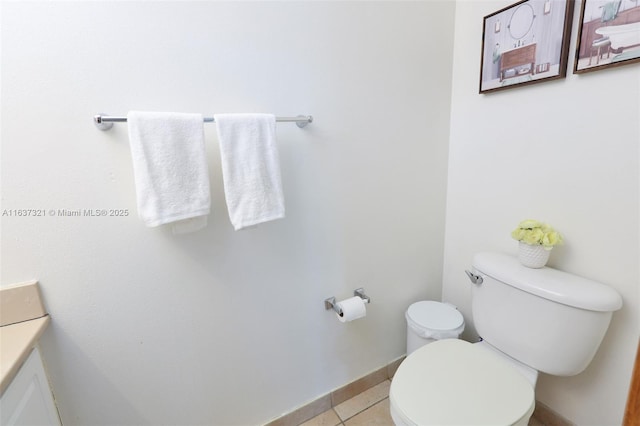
368 408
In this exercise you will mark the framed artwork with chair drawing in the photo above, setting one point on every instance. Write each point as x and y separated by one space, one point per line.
609 34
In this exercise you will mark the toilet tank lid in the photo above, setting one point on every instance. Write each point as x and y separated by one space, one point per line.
549 283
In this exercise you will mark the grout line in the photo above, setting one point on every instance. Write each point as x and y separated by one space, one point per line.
364 409
338 416
387 371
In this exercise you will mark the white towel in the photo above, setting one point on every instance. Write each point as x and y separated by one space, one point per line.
170 169
250 168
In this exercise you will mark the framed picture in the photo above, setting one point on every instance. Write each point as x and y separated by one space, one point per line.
609 34
525 43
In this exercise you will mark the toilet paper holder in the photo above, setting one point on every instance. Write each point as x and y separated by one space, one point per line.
330 303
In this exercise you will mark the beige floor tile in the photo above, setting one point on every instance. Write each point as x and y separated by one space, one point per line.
304 413
362 401
328 418
535 422
362 384
378 415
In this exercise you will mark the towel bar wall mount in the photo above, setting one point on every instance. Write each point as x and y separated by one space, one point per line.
105 122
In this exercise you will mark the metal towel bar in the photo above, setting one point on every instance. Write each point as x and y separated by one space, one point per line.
105 122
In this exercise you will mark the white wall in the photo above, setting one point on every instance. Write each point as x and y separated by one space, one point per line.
224 327
565 152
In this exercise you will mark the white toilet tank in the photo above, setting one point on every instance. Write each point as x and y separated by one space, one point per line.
550 320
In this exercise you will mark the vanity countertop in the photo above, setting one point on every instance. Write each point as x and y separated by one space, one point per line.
23 319
17 342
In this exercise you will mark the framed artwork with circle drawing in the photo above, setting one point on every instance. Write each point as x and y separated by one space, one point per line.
525 43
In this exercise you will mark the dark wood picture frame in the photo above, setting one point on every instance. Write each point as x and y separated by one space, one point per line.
525 43
609 35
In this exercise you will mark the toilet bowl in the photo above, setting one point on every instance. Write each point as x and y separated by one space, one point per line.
454 382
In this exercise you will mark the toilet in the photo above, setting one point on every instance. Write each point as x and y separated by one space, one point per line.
529 321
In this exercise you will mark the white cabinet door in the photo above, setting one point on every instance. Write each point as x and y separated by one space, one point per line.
28 399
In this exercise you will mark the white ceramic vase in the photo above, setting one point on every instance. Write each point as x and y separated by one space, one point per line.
533 256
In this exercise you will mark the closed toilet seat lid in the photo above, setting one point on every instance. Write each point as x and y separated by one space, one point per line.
453 382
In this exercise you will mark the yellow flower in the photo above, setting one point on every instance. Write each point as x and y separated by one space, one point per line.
533 232
518 234
551 239
534 236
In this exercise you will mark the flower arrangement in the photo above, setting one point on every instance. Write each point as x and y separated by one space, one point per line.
534 233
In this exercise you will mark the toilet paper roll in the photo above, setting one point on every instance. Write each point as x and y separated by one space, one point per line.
352 308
